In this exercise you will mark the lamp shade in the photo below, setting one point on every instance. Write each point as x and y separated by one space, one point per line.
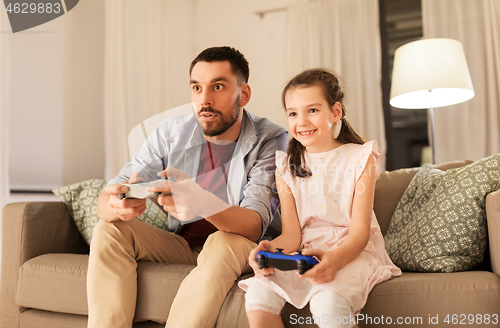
430 73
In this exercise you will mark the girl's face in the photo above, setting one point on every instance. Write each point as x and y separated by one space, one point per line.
311 119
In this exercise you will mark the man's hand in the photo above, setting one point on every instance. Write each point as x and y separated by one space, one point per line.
126 209
111 208
188 199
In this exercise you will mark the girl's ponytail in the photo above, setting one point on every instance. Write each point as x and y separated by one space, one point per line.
347 134
296 159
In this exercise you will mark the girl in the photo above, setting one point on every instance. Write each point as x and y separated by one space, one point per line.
326 187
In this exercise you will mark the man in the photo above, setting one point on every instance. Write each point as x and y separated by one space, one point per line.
231 154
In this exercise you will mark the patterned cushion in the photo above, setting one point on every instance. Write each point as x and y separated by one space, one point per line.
440 222
81 200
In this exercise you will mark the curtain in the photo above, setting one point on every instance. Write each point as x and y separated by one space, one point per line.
5 35
343 36
137 72
469 130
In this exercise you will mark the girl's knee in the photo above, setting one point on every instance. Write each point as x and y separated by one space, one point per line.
264 319
260 297
332 310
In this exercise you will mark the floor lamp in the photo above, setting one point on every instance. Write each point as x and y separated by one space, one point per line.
430 73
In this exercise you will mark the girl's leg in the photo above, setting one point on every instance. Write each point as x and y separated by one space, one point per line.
329 310
263 306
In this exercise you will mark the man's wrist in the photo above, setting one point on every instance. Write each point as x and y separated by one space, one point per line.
103 208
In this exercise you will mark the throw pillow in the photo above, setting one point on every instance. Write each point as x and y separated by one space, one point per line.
390 187
440 222
81 200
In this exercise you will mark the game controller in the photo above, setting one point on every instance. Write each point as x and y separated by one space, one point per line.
284 262
139 190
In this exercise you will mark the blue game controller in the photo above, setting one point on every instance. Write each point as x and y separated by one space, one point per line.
283 262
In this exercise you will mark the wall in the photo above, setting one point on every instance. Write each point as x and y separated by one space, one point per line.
83 127
36 107
56 118
261 40
56 128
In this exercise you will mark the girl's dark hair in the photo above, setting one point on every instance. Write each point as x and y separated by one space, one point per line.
332 92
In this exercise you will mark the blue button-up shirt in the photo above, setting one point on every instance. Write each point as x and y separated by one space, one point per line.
179 142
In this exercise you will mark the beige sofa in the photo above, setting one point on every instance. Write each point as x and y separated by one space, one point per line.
44 264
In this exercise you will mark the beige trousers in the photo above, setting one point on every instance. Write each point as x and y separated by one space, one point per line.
112 275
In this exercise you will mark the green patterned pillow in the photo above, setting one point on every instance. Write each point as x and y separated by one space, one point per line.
440 222
81 200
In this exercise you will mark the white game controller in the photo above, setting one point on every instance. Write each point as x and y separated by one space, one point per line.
139 190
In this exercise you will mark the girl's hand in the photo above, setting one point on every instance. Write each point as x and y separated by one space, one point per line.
325 270
264 245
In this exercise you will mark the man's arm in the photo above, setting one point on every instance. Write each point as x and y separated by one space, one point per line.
230 220
186 200
260 201
254 213
143 167
259 193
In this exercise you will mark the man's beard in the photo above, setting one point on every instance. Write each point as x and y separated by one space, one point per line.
219 126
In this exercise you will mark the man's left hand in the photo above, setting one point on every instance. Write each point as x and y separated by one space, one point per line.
188 199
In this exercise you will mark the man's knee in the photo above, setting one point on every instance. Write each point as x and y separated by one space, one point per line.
226 246
110 233
228 241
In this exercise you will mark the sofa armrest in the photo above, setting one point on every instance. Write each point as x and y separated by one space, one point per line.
31 229
34 228
493 219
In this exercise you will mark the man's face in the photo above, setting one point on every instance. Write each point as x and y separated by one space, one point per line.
216 95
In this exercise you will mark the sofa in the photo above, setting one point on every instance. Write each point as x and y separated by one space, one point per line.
44 265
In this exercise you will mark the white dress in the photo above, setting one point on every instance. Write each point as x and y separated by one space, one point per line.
324 207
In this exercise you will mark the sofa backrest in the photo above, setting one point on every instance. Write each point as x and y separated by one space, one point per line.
391 186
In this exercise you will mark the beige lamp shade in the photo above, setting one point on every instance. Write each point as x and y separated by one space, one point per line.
430 73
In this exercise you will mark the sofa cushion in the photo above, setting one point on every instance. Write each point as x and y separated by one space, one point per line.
57 283
421 296
54 282
440 223
44 319
390 188
81 200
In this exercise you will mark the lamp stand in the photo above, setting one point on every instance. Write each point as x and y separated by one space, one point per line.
430 117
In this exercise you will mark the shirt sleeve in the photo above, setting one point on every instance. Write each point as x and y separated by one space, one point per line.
281 161
260 193
148 162
366 150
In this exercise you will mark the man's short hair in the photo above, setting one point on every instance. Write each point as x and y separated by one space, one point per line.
239 65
